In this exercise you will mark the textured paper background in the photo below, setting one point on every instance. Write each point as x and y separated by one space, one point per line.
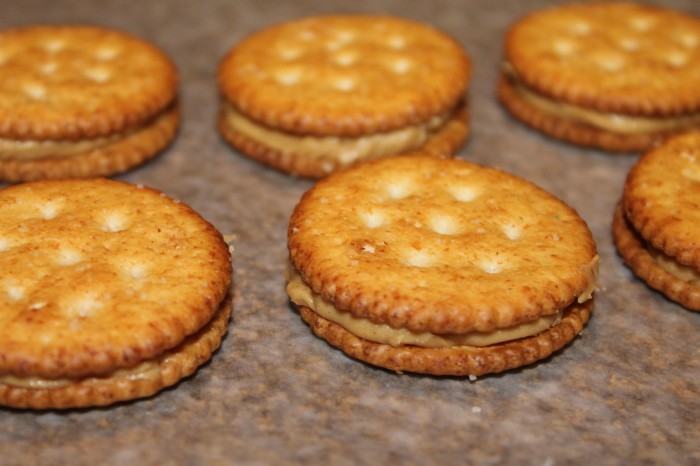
625 391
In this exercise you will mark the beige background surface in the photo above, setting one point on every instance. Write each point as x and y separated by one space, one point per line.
625 391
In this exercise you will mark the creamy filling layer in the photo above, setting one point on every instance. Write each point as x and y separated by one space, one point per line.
672 266
147 370
614 122
301 294
345 149
32 150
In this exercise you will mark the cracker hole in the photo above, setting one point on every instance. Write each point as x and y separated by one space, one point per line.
563 47
642 23
345 58
443 224
135 270
4 244
344 84
54 46
512 231
288 77
401 65
289 53
491 266
373 219
689 40
15 293
98 75
68 257
399 189
580 28
693 174
464 193
396 42
610 62
48 68
629 44
84 306
677 59
106 53
415 258
49 210
307 35
35 91
114 222
344 36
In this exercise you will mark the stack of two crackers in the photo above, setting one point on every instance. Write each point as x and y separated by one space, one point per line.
108 291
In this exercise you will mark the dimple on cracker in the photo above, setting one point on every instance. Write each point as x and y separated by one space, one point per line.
81 101
616 76
657 222
108 292
315 94
439 266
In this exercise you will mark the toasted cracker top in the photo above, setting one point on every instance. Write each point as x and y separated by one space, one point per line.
97 275
611 57
662 198
345 75
440 245
74 82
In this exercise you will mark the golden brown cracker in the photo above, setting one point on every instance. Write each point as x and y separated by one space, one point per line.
73 93
440 246
656 226
98 276
333 85
603 74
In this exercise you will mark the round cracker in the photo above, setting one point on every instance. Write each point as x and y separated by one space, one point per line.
661 198
97 275
440 245
77 82
611 57
345 75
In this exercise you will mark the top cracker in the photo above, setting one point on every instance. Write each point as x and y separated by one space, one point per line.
619 76
345 75
313 95
74 82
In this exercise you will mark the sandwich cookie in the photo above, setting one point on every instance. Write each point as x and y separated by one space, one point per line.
108 292
81 101
439 266
657 222
319 93
616 76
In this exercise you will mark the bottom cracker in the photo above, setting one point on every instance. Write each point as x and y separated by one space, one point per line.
176 364
443 143
456 361
124 154
574 132
632 249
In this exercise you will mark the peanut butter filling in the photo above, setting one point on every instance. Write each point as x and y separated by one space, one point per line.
300 294
345 149
672 266
32 150
614 122
147 370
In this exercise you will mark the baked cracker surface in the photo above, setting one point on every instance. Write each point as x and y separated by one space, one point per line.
98 275
439 245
